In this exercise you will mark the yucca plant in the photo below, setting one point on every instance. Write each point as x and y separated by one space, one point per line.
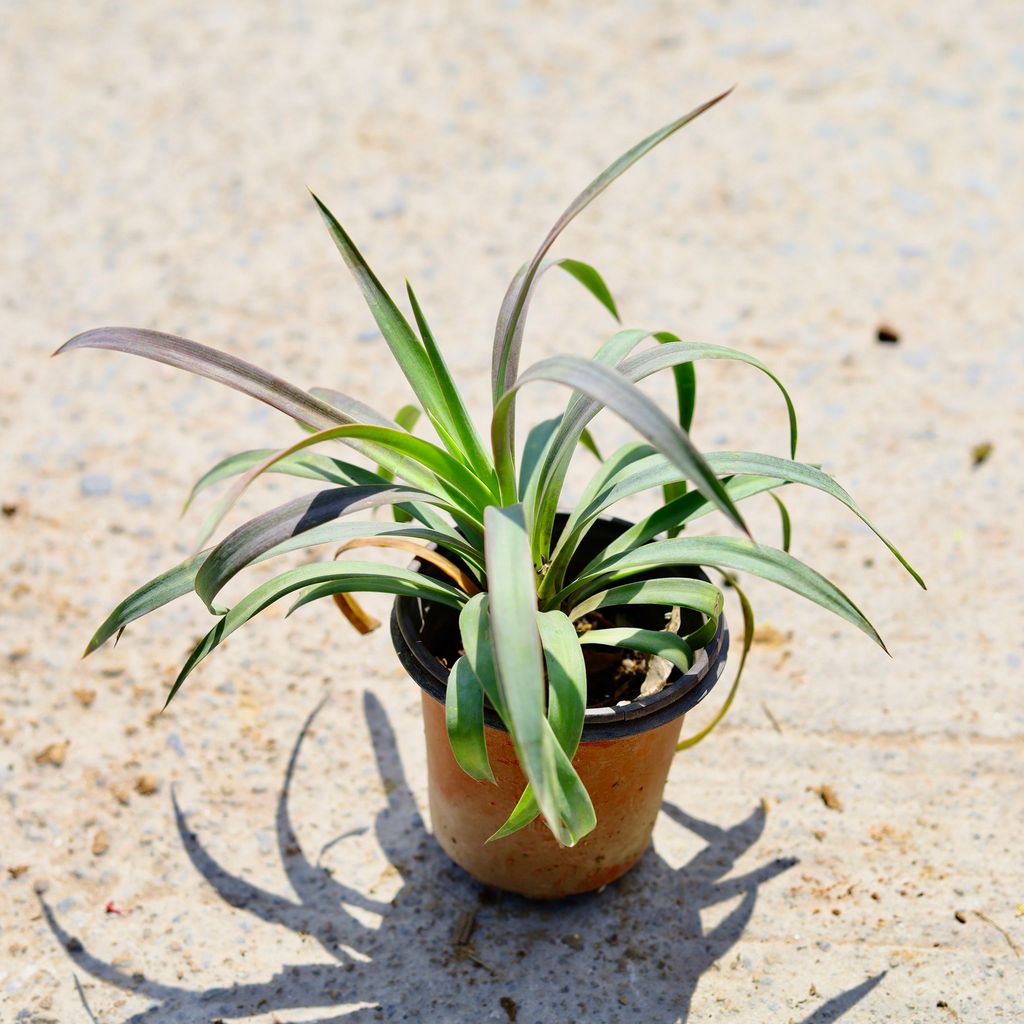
485 522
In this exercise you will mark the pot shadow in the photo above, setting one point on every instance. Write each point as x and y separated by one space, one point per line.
449 950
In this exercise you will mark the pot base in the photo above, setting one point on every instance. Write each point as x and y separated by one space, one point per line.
625 778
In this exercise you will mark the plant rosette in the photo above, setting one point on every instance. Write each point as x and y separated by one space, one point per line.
557 652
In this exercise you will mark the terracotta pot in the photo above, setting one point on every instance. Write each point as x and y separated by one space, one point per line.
623 760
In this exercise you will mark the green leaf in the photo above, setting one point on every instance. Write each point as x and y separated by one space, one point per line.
345 577
406 418
685 375
608 387
673 591
475 629
724 553
787 524
587 441
534 454
632 469
304 464
445 477
573 798
673 648
748 464
219 366
409 353
466 490
354 410
810 476
311 466
153 594
567 705
582 408
290 520
590 279
674 353
686 387
582 272
748 637
520 667
682 511
567 678
509 330
469 446
464 718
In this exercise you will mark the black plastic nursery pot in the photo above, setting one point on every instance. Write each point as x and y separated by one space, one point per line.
623 760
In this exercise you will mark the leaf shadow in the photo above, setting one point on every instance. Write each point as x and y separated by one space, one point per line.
640 947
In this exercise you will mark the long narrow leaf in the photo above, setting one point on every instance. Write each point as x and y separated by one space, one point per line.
406 418
653 471
607 386
660 642
470 447
400 337
724 553
680 512
573 799
464 719
582 408
584 273
567 705
674 352
354 410
245 544
436 471
219 366
673 591
519 660
748 638
180 580
475 630
308 465
567 678
508 333
153 594
344 576
787 523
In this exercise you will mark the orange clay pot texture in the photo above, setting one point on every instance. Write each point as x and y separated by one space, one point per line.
625 779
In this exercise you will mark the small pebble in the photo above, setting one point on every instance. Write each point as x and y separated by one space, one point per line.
100 843
829 797
147 785
53 753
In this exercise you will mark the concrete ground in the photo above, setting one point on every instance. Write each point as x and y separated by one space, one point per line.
201 865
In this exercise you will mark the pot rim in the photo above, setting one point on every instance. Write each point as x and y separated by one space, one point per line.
679 695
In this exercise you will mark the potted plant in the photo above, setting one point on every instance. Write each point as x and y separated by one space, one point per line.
556 651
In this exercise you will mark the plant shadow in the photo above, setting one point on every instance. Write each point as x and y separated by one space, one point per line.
447 950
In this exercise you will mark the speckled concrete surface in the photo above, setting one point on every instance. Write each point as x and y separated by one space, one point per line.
867 170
